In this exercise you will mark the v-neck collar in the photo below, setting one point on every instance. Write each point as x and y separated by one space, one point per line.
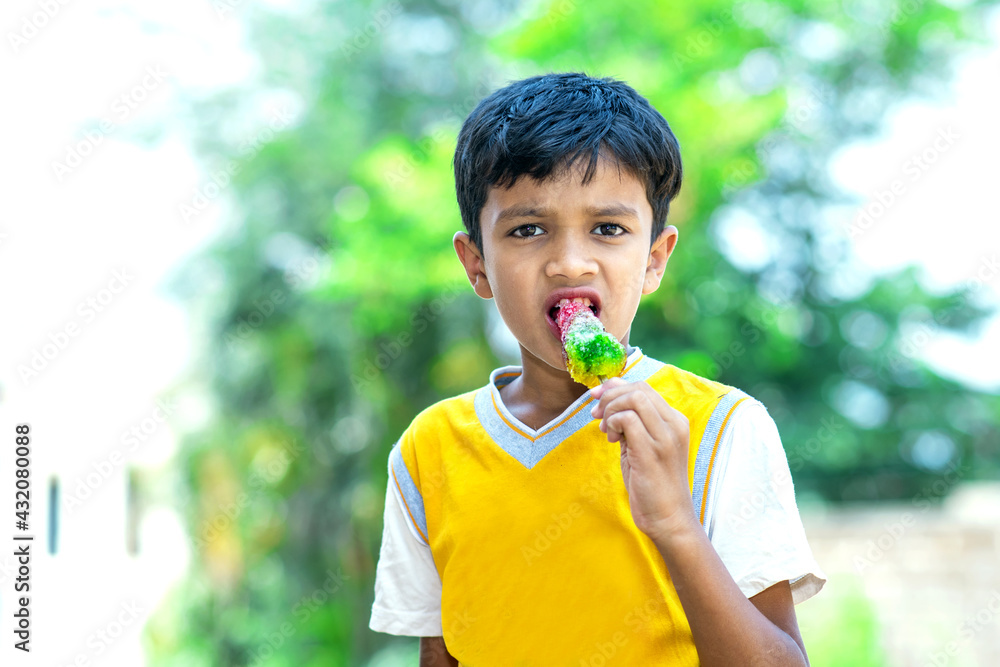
528 445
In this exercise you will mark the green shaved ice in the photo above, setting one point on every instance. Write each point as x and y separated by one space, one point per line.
592 354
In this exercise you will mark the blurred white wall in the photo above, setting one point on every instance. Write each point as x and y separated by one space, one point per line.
89 227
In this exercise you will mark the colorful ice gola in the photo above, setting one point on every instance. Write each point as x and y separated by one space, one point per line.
592 355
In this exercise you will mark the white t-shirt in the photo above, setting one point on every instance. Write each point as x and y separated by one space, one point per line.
757 533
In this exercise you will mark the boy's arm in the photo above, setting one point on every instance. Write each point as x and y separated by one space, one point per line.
407 586
776 604
433 653
727 628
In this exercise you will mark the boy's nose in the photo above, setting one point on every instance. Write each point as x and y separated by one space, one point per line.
570 259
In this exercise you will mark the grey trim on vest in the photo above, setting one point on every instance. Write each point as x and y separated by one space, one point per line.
408 489
703 483
531 449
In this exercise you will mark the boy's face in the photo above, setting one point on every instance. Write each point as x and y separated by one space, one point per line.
543 241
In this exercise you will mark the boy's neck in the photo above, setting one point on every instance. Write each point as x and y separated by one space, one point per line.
540 393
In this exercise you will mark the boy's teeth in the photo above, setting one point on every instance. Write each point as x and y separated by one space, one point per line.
580 299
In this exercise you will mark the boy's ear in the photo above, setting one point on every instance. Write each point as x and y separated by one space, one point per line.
472 260
659 253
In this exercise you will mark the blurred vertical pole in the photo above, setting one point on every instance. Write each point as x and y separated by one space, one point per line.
53 514
131 513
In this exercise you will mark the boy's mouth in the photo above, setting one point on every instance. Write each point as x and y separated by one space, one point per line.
558 298
554 310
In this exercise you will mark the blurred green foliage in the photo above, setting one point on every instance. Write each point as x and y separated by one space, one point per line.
333 309
841 627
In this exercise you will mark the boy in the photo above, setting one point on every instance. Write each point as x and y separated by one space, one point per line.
534 522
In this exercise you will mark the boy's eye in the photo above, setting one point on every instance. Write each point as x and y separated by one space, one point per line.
525 231
609 229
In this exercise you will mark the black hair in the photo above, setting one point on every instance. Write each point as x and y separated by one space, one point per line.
538 125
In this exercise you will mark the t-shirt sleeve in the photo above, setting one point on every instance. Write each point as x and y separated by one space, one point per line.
407 584
757 530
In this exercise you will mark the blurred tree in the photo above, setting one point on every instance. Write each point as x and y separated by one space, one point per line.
333 308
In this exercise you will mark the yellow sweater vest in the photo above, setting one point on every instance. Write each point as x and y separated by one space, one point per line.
531 533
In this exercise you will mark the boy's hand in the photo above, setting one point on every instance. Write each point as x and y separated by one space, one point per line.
654 454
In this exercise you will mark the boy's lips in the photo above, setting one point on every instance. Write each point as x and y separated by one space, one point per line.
552 303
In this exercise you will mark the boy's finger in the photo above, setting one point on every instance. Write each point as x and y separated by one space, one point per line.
619 422
610 383
667 412
607 392
640 406
616 390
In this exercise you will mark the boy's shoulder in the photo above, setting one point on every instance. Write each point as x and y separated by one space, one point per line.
691 393
672 379
701 399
